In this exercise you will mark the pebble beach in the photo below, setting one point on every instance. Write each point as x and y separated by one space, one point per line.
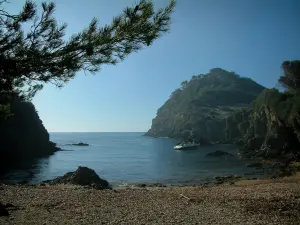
244 202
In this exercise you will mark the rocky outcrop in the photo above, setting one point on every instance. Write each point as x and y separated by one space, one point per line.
255 165
221 107
200 108
82 176
80 144
23 135
237 125
270 129
219 154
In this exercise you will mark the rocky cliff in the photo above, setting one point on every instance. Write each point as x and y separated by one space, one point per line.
272 128
224 107
202 108
23 135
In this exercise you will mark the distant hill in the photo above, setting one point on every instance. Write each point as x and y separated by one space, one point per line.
199 108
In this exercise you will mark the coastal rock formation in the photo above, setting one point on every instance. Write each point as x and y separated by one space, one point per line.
201 107
219 154
23 135
80 144
222 107
255 165
82 176
271 129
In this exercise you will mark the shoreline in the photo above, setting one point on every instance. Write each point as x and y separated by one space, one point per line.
219 181
263 169
259 173
264 201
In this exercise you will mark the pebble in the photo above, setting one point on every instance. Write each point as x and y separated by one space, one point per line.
267 203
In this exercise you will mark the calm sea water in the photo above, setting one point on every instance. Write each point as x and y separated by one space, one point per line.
131 158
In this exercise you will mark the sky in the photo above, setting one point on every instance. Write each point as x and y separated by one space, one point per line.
249 37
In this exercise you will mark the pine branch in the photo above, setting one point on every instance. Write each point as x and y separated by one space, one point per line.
43 55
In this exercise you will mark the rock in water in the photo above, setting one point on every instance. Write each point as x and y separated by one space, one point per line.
81 144
3 211
82 176
219 154
255 164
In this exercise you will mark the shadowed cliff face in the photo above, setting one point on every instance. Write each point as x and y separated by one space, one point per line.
23 135
272 128
201 107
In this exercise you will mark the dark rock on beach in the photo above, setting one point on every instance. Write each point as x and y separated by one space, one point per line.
3 210
141 185
227 179
150 185
156 185
83 176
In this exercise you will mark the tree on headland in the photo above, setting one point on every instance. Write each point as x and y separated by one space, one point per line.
184 84
29 59
291 77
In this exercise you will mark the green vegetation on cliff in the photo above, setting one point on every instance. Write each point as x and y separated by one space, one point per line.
216 108
200 107
274 124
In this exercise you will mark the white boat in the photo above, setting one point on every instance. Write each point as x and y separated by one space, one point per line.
188 145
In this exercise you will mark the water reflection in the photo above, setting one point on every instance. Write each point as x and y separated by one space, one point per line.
19 170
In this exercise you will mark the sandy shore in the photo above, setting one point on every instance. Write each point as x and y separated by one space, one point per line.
245 202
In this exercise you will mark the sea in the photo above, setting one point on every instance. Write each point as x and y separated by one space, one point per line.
131 158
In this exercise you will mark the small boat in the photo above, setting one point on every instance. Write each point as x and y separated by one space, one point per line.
188 145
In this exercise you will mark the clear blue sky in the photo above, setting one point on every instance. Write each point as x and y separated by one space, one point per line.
250 37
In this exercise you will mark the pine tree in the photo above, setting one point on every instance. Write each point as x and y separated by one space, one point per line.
41 55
